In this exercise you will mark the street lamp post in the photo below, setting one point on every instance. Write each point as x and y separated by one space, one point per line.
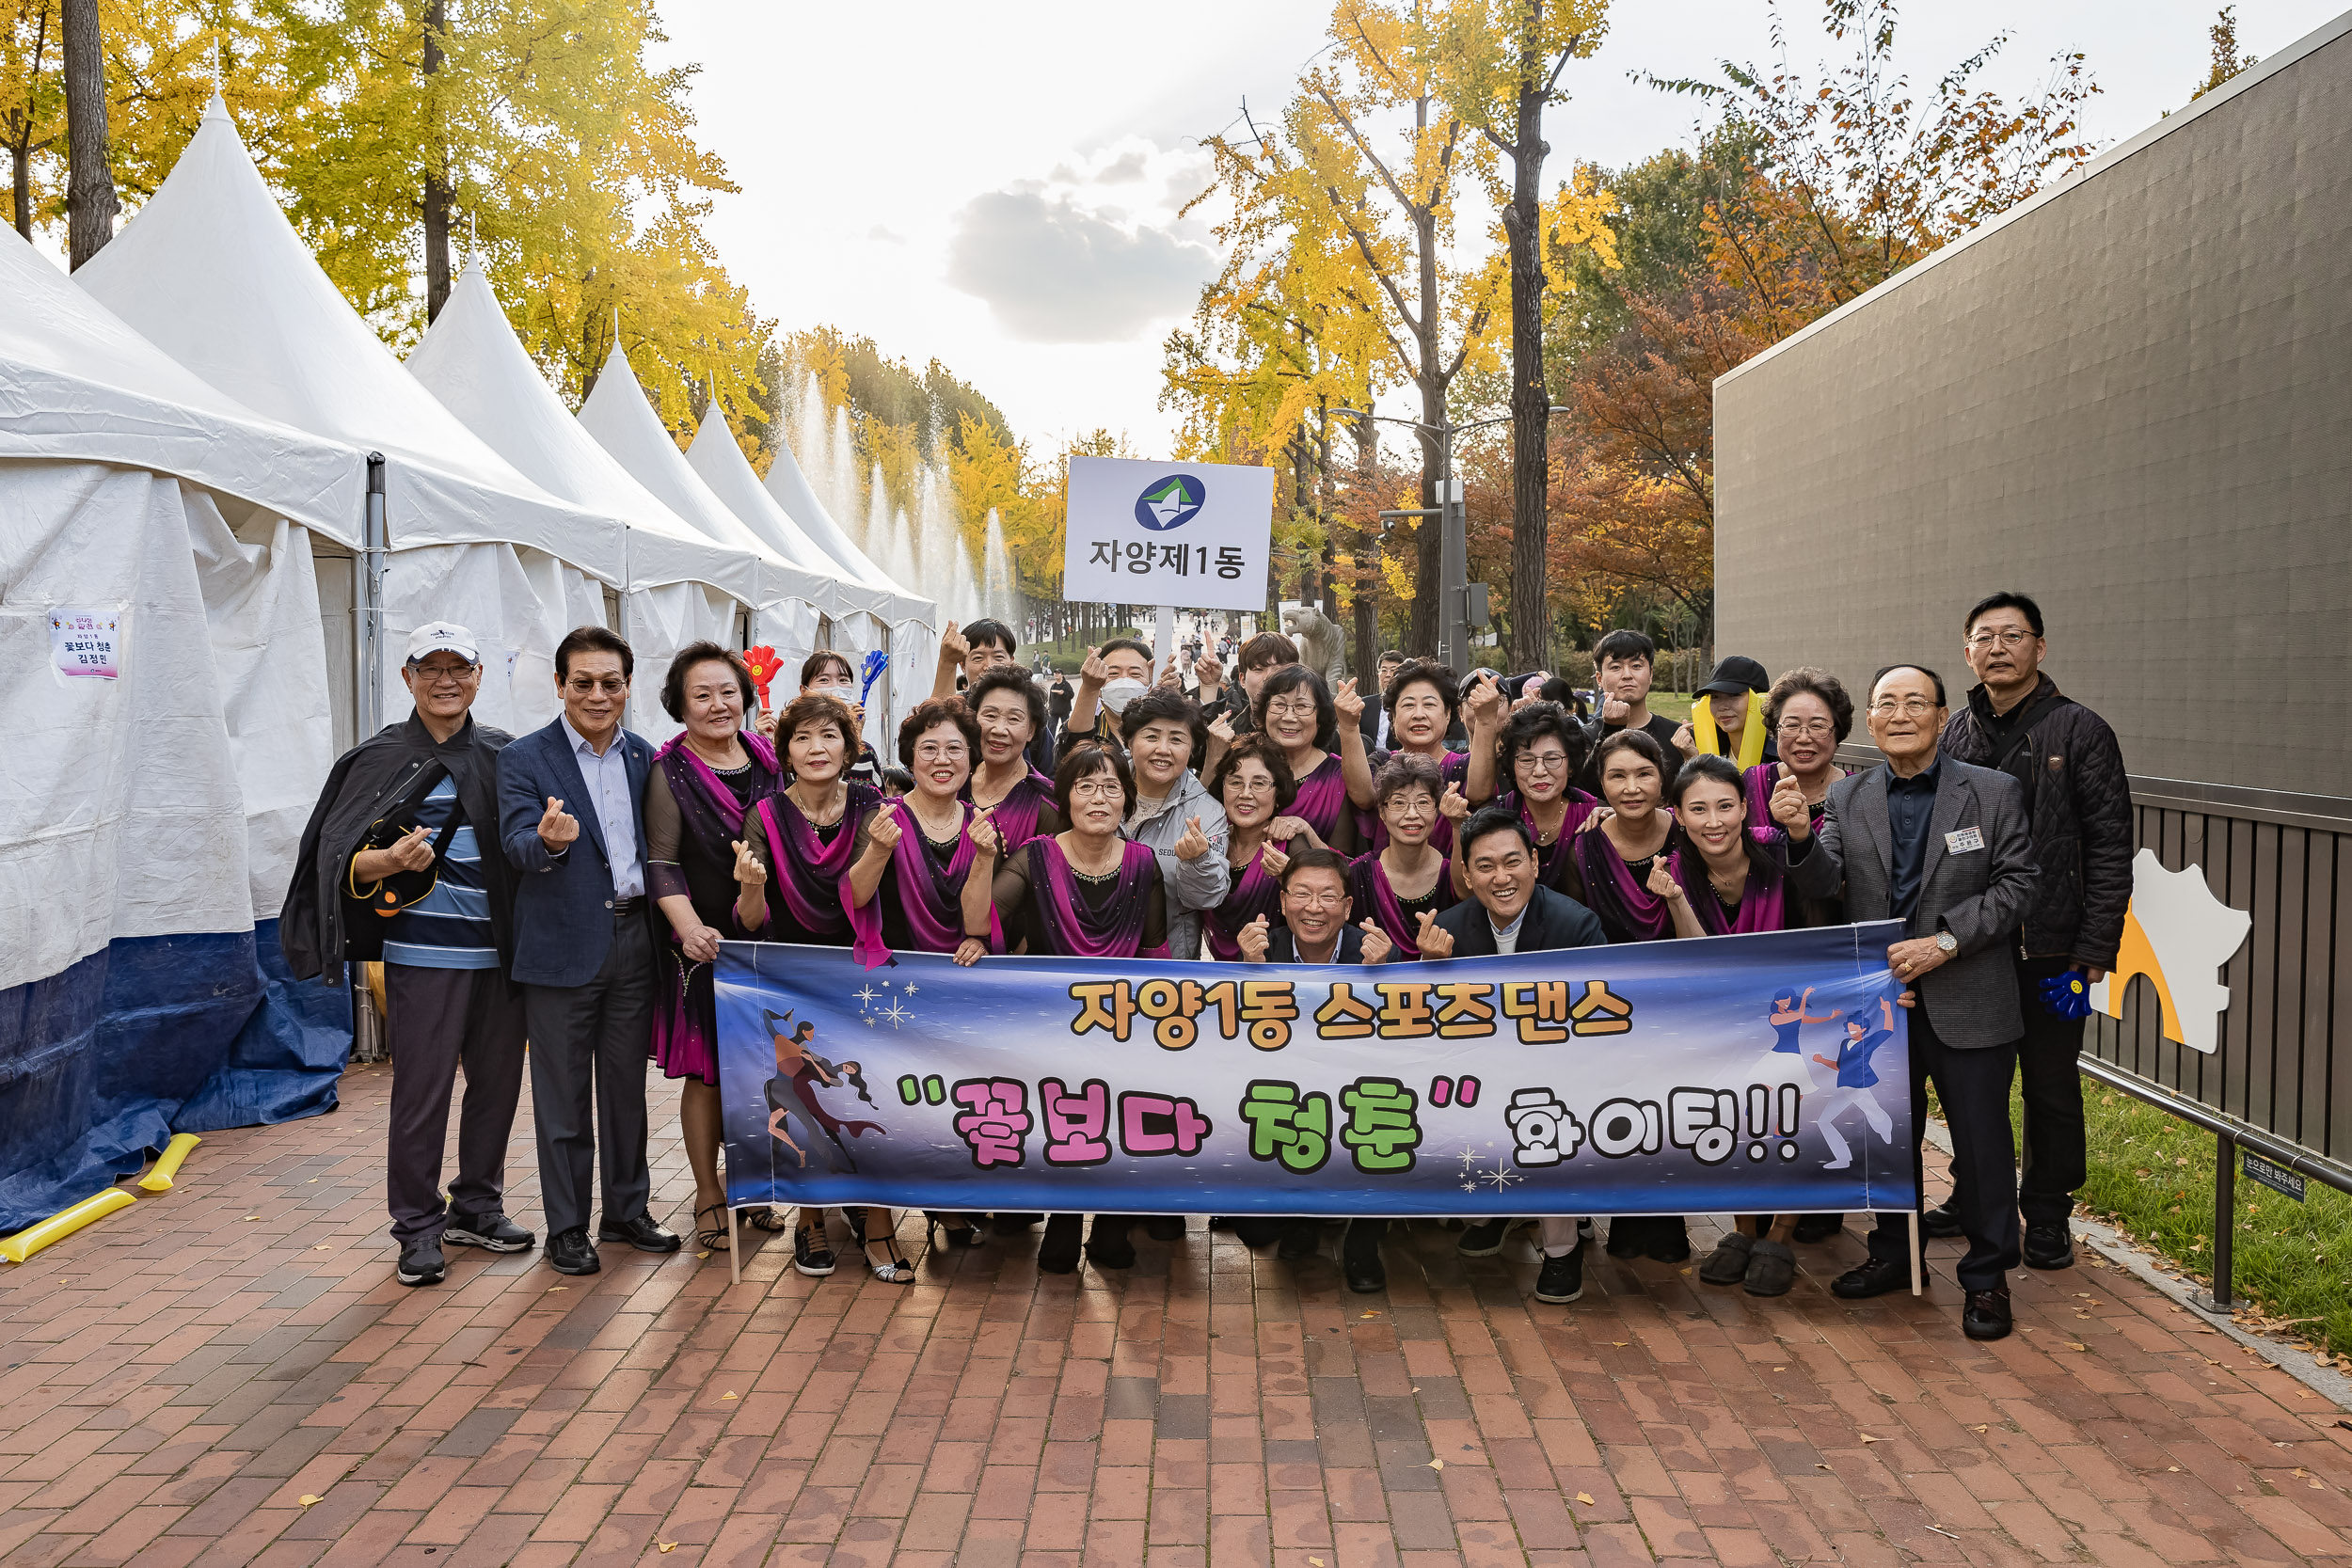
1453 540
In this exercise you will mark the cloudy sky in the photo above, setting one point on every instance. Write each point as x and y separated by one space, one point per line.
998 186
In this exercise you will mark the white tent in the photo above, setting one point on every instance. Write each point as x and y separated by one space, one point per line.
679 585
152 801
211 273
618 415
910 624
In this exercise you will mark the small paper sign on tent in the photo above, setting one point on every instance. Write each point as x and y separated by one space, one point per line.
86 643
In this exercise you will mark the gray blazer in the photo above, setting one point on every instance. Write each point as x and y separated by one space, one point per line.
1979 896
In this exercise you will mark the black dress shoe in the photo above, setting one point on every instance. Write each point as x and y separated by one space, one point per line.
1360 1258
569 1251
1943 1220
1873 1277
1107 1245
494 1232
1561 1279
420 1264
2049 1246
1485 1238
1058 1252
1986 1316
640 1233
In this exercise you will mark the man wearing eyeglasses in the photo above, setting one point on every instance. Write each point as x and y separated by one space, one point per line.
1940 844
390 868
2079 805
571 816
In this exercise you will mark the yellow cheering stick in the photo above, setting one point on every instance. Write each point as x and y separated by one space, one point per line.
159 1180
64 1223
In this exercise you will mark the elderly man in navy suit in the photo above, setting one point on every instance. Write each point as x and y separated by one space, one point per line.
571 816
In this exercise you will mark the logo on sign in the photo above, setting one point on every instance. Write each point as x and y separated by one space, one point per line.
1169 503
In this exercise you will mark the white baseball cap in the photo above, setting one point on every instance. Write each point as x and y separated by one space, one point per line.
443 637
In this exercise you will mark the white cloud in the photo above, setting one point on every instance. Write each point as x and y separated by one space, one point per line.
1054 272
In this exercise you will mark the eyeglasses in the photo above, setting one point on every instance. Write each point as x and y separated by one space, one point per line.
611 686
1291 710
2010 639
938 751
432 675
1546 762
1321 899
1096 789
1811 728
1910 707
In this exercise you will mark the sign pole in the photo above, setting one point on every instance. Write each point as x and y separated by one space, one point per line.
1163 636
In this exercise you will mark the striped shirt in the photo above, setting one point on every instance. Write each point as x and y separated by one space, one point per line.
450 927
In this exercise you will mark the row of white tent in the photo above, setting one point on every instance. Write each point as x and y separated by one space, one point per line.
185 428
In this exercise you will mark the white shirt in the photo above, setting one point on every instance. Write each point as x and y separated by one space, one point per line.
607 777
1507 936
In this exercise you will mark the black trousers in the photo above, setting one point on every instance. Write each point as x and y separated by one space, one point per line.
587 1041
2050 1084
1974 1087
440 1019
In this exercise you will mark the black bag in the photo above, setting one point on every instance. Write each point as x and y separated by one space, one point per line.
401 888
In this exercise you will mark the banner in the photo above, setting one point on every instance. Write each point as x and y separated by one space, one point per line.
1761 1074
1168 533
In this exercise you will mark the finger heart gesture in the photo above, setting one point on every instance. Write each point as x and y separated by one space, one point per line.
1194 844
748 871
1434 940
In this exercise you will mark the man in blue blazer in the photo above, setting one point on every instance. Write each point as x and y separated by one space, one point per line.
571 816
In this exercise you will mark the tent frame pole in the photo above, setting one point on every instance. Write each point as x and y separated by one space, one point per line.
367 611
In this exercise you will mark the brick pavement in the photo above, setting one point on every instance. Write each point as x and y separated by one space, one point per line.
227 1374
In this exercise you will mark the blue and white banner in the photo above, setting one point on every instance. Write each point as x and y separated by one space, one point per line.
1761 1074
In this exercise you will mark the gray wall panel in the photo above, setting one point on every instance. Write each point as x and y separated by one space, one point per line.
2133 401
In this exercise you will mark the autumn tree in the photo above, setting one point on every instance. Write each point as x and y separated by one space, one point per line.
91 204
32 101
2227 62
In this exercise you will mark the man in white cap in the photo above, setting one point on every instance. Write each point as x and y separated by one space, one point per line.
391 868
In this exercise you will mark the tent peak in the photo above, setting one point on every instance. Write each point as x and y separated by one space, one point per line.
217 107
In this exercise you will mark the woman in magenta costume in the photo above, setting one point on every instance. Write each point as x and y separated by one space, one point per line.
1296 709
1084 893
1727 874
1424 702
705 782
1810 716
809 837
1535 753
1010 712
1408 880
1253 782
934 890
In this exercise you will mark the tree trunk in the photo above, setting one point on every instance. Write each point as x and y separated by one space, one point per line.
1530 403
437 195
1302 505
1368 578
91 205
1323 511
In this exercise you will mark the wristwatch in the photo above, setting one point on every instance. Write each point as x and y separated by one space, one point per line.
1946 943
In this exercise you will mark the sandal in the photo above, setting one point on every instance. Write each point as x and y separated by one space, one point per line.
810 1253
767 1218
717 1237
893 1269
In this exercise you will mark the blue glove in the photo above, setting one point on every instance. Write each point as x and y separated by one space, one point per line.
2067 995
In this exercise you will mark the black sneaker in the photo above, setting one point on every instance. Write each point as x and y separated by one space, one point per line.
492 1233
1485 1238
640 1231
811 1254
420 1264
570 1252
2049 1246
1562 1279
1986 1315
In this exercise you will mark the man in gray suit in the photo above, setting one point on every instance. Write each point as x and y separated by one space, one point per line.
1942 846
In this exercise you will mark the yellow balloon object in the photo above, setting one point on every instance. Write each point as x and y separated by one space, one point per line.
159 1180
64 1223
1750 734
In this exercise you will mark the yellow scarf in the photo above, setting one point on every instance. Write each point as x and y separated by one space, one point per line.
1751 734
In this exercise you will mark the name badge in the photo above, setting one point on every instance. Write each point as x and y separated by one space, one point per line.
1965 840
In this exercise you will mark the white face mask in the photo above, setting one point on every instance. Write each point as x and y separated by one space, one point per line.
1119 693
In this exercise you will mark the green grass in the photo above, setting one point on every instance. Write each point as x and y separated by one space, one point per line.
1671 704
2151 1177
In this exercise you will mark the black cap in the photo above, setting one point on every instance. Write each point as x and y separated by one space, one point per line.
1736 675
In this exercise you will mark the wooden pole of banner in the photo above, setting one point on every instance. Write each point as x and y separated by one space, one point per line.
1917 1274
735 1257
1164 639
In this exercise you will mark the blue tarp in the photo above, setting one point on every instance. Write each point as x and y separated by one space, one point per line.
154 1035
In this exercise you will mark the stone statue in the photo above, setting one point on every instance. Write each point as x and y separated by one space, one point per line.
1322 643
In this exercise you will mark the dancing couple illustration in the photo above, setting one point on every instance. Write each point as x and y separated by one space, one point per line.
1855 1082
792 1094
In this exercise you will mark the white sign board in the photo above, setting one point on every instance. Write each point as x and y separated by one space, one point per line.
1195 534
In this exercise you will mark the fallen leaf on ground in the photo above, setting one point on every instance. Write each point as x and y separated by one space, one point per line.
1437 1463
1621 1343
1979 1429
728 1395
1867 1438
2076 1344
1585 1498
553 1289
305 1499
665 1548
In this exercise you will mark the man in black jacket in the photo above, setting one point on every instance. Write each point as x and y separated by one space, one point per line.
2081 813
390 867
1509 912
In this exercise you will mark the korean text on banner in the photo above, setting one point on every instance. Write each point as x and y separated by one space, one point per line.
1748 1073
1193 534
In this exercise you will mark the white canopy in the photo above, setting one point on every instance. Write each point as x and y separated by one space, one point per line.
720 463
471 360
76 382
790 490
622 423
211 272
